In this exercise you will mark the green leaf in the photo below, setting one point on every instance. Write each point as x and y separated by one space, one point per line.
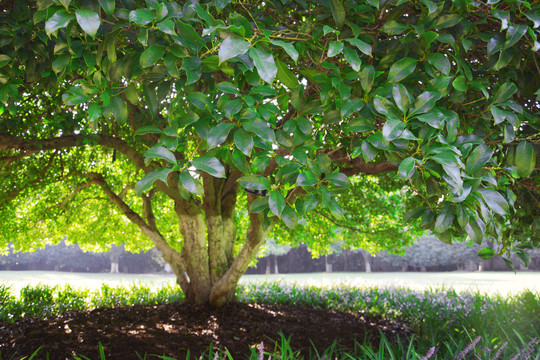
447 21
89 21
367 77
119 109
393 129
199 100
513 34
351 56
59 20
148 180
407 168
148 130
151 55
60 63
285 75
338 12
160 152
218 134
265 64
276 202
132 94
151 99
460 83
505 92
306 178
254 182
289 48
192 185
233 107
495 201
486 253
534 16
188 37
338 179
288 215
231 47
440 62
167 27
393 27
444 220
478 158
350 106
525 159
4 60
259 204
227 87
305 125
425 102
401 97
261 129
210 165
361 45
141 16
335 48
108 6
401 69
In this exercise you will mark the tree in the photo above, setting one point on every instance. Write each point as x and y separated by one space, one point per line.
136 122
272 250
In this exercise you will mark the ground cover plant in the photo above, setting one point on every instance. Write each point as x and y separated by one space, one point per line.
290 321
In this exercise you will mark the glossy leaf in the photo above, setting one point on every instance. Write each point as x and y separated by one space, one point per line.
525 159
401 97
306 178
192 185
141 16
361 45
59 20
149 179
288 47
407 168
88 20
231 47
219 134
401 69
393 129
159 152
151 55
276 202
265 64
210 165
338 12
108 6
495 201
119 109
478 158
254 182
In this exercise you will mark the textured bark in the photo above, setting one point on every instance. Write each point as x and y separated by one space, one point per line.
223 290
194 252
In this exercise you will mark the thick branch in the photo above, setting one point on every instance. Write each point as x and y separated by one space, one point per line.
358 166
169 254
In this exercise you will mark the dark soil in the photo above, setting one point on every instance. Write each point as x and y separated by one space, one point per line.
174 328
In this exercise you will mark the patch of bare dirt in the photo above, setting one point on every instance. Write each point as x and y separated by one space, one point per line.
172 329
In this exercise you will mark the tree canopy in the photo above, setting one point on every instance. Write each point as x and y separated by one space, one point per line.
165 112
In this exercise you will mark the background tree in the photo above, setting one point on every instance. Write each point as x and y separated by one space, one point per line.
154 116
272 250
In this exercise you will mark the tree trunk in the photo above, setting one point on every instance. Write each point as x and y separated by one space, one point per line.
268 265
327 264
276 269
367 260
114 267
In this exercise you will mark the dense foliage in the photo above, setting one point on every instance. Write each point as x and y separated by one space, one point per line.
165 112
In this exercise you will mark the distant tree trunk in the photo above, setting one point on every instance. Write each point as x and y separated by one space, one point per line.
346 259
276 269
268 265
327 264
367 260
114 267
480 267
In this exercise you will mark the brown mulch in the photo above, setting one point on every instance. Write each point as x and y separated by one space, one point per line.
172 329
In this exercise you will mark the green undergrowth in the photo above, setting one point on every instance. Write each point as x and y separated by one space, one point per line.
446 324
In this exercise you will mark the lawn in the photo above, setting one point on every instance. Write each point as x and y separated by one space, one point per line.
503 283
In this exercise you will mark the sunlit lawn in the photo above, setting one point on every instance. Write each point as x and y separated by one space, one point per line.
486 282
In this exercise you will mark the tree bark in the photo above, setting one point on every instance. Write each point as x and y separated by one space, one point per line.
367 260
276 268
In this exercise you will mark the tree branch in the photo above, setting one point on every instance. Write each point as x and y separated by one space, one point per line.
169 254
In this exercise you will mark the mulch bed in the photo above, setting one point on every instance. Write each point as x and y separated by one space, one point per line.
172 329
